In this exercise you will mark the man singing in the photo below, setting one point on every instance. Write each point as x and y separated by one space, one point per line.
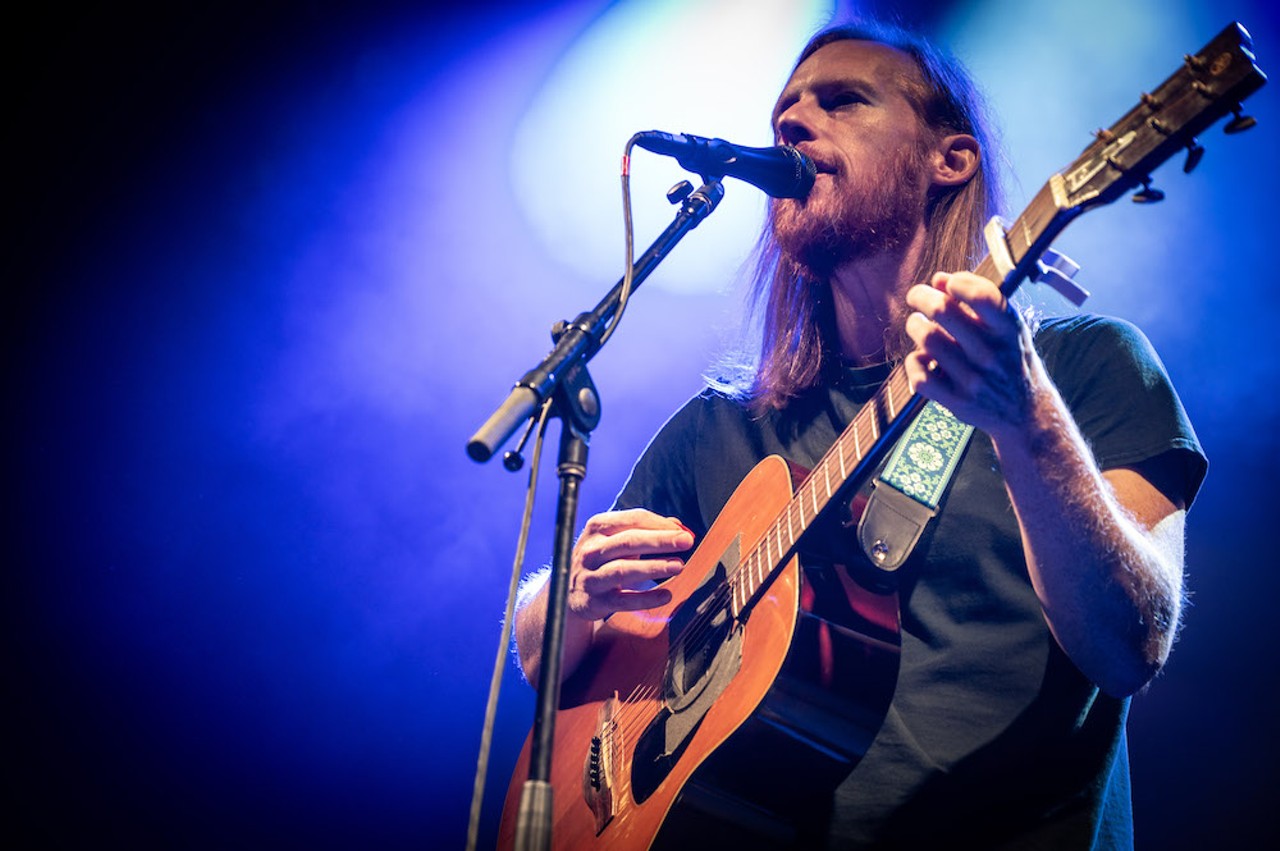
1047 589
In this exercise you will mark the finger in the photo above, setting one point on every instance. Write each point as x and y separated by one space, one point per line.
630 543
633 601
613 522
926 299
925 333
918 365
953 372
957 317
939 369
943 357
981 296
628 574
960 323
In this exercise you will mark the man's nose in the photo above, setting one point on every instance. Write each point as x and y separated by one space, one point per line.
796 123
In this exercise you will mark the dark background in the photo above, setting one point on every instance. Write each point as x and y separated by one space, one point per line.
254 596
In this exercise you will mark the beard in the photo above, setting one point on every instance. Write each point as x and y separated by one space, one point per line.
857 216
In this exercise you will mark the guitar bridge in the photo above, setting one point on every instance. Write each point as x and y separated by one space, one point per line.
598 770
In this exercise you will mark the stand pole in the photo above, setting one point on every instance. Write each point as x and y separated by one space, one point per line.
563 376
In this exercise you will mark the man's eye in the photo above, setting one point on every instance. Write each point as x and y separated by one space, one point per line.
844 99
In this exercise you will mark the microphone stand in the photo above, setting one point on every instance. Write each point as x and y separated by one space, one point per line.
563 377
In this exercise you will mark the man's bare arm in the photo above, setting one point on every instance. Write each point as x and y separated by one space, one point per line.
616 560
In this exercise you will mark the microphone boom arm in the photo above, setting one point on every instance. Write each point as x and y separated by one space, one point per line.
579 341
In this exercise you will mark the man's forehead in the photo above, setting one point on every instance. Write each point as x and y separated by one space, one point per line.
856 60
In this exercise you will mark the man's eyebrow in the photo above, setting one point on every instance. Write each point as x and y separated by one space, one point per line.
826 86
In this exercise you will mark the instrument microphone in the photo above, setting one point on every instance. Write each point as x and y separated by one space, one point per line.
782 172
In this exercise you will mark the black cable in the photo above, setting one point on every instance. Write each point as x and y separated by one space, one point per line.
495 682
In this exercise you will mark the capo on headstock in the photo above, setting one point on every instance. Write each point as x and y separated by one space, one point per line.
1059 271
1053 267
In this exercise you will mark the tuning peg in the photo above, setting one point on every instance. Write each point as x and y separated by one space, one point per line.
1240 123
1148 194
1195 152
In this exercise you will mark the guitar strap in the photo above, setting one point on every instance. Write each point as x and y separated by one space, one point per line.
906 494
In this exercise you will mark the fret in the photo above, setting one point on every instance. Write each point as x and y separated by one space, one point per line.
1018 240
1032 224
840 454
742 588
813 495
888 392
826 474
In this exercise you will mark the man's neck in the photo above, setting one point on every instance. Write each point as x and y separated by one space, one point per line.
867 295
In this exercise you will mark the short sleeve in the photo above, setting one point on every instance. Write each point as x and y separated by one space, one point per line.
1120 395
663 479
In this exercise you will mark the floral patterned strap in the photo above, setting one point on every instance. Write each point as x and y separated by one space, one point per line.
925 457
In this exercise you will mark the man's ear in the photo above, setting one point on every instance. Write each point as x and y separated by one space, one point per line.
955 160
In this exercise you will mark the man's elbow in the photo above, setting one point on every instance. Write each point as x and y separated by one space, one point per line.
1131 671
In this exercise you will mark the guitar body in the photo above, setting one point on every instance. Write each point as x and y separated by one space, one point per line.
690 722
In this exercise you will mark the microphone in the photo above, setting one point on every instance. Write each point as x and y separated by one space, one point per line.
782 172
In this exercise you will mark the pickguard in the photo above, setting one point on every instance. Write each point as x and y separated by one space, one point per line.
706 654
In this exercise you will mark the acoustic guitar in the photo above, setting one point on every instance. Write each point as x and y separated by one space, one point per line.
733 711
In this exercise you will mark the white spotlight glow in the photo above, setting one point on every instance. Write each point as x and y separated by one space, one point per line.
712 68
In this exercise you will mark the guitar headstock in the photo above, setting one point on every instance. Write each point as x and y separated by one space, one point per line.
1209 86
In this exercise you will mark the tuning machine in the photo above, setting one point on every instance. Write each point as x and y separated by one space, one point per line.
1195 153
1240 122
1148 194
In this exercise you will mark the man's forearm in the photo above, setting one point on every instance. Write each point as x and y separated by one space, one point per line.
530 628
1105 561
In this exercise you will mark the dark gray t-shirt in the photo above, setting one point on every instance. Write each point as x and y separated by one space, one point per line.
993 737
